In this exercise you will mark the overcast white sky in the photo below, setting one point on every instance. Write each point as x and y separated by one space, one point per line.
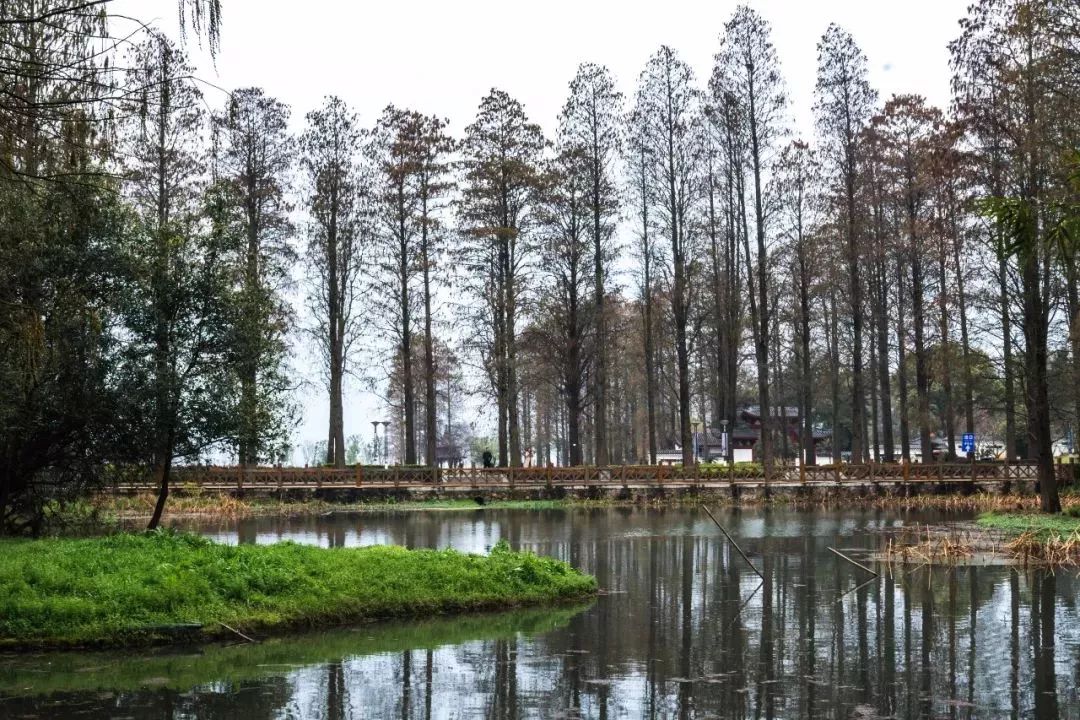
442 56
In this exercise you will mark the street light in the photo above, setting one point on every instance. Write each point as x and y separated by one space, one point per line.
725 441
695 427
375 440
386 442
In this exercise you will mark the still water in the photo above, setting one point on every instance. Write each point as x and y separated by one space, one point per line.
684 628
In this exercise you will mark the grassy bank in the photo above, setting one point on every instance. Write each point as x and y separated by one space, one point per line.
1039 524
1029 536
110 510
133 589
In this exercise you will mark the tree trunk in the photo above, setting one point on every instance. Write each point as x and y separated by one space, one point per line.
922 374
875 455
965 345
858 393
513 419
901 358
600 385
164 472
1073 304
1007 361
806 380
834 372
945 354
1035 363
761 344
887 437
431 411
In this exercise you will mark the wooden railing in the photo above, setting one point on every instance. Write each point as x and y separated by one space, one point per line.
283 478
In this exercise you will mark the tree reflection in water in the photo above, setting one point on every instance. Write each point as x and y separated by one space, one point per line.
670 637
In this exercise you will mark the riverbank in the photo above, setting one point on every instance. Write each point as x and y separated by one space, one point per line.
202 504
1053 539
129 589
113 510
996 537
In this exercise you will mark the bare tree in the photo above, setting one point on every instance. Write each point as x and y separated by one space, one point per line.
797 171
639 164
748 70
566 264
669 103
590 126
844 103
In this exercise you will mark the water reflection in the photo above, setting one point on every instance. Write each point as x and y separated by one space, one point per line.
685 629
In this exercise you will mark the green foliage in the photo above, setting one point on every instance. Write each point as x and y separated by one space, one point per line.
116 590
1044 526
1023 226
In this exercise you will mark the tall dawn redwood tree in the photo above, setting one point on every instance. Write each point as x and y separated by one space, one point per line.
409 154
747 70
797 173
431 147
843 106
590 127
501 174
566 258
336 198
669 105
255 162
639 164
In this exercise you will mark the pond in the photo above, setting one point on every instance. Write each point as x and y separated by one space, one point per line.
684 628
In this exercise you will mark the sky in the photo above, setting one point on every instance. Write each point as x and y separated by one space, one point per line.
442 57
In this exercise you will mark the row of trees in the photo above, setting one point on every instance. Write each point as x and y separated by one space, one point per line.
656 263
876 273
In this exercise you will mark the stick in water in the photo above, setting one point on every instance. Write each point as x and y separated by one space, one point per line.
234 630
732 541
858 565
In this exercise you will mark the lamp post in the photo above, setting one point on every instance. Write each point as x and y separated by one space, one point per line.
725 441
375 440
695 429
386 442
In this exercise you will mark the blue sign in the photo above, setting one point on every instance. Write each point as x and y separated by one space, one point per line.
968 443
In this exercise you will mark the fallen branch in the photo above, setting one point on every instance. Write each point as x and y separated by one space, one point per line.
732 541
237 632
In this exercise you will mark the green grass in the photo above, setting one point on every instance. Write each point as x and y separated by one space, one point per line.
1045 526
124 588
181 670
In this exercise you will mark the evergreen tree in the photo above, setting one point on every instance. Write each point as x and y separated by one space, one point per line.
255 161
